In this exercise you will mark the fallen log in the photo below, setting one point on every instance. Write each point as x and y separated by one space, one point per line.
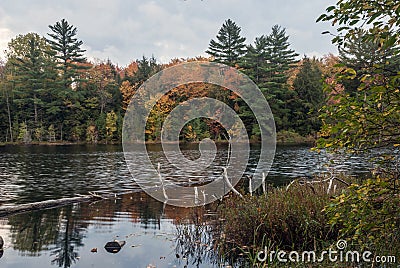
7 211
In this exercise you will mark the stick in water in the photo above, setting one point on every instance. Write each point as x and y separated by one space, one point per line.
162 181
250 187
263 183
204 197
196 196
229 183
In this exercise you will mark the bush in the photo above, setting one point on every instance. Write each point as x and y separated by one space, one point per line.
368 215
288 219
291 137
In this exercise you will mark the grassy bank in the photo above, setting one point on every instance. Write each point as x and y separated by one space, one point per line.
305 217
286 137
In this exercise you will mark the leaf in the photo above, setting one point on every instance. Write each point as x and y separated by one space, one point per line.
323 17
353 22
330 8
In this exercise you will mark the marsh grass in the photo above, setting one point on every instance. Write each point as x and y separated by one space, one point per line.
309 217
289 219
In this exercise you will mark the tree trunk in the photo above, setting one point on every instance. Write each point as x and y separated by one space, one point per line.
35 108
9 117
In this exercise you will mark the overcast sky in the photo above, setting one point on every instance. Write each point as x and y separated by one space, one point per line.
126 30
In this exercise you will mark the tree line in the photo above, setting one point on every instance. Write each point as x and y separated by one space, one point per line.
50 91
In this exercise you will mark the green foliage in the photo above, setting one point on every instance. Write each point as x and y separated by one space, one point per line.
111 125
308 85
288 219
366 57
367 119
47 83
267 62
379 17
196 130
367 214
24 133
67 50
370 115
366 114
229 46
27 70
291 137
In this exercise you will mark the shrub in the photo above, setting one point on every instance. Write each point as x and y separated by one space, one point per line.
290 219
368 215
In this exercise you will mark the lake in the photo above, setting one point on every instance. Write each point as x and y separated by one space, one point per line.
156 235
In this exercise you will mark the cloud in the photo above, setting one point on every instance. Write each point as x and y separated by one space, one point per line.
5 37
126 30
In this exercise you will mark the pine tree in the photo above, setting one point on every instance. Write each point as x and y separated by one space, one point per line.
364 57
68 50
30 69
280 58
267 63
255 58
230 46
308 85
69 54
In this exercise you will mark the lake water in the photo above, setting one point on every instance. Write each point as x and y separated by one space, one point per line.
155 235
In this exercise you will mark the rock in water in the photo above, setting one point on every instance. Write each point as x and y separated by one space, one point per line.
114 246
1 243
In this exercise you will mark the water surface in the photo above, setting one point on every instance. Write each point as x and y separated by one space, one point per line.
155 234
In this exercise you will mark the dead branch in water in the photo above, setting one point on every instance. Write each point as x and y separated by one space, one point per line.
310 182
7 211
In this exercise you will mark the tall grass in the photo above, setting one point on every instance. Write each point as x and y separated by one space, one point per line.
304 217
290 219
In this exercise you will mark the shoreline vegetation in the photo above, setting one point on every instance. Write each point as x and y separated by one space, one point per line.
283 138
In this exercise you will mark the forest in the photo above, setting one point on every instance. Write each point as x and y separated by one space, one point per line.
51 92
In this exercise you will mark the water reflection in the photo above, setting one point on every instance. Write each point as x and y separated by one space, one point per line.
36 173
155 234
65 237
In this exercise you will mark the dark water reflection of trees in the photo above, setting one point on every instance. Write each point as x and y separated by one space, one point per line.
61 231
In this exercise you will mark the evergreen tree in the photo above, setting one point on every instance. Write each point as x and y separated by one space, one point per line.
280 58
267 63
29 68
68 50
69 54
6 129
229 46
255 59
146 68
308 85
366 56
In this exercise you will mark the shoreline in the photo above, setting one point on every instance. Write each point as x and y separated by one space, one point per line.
278 143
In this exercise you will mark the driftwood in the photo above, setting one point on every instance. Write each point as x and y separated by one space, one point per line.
310 182
7 211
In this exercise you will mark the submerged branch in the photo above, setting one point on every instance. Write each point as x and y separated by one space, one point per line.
7 211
